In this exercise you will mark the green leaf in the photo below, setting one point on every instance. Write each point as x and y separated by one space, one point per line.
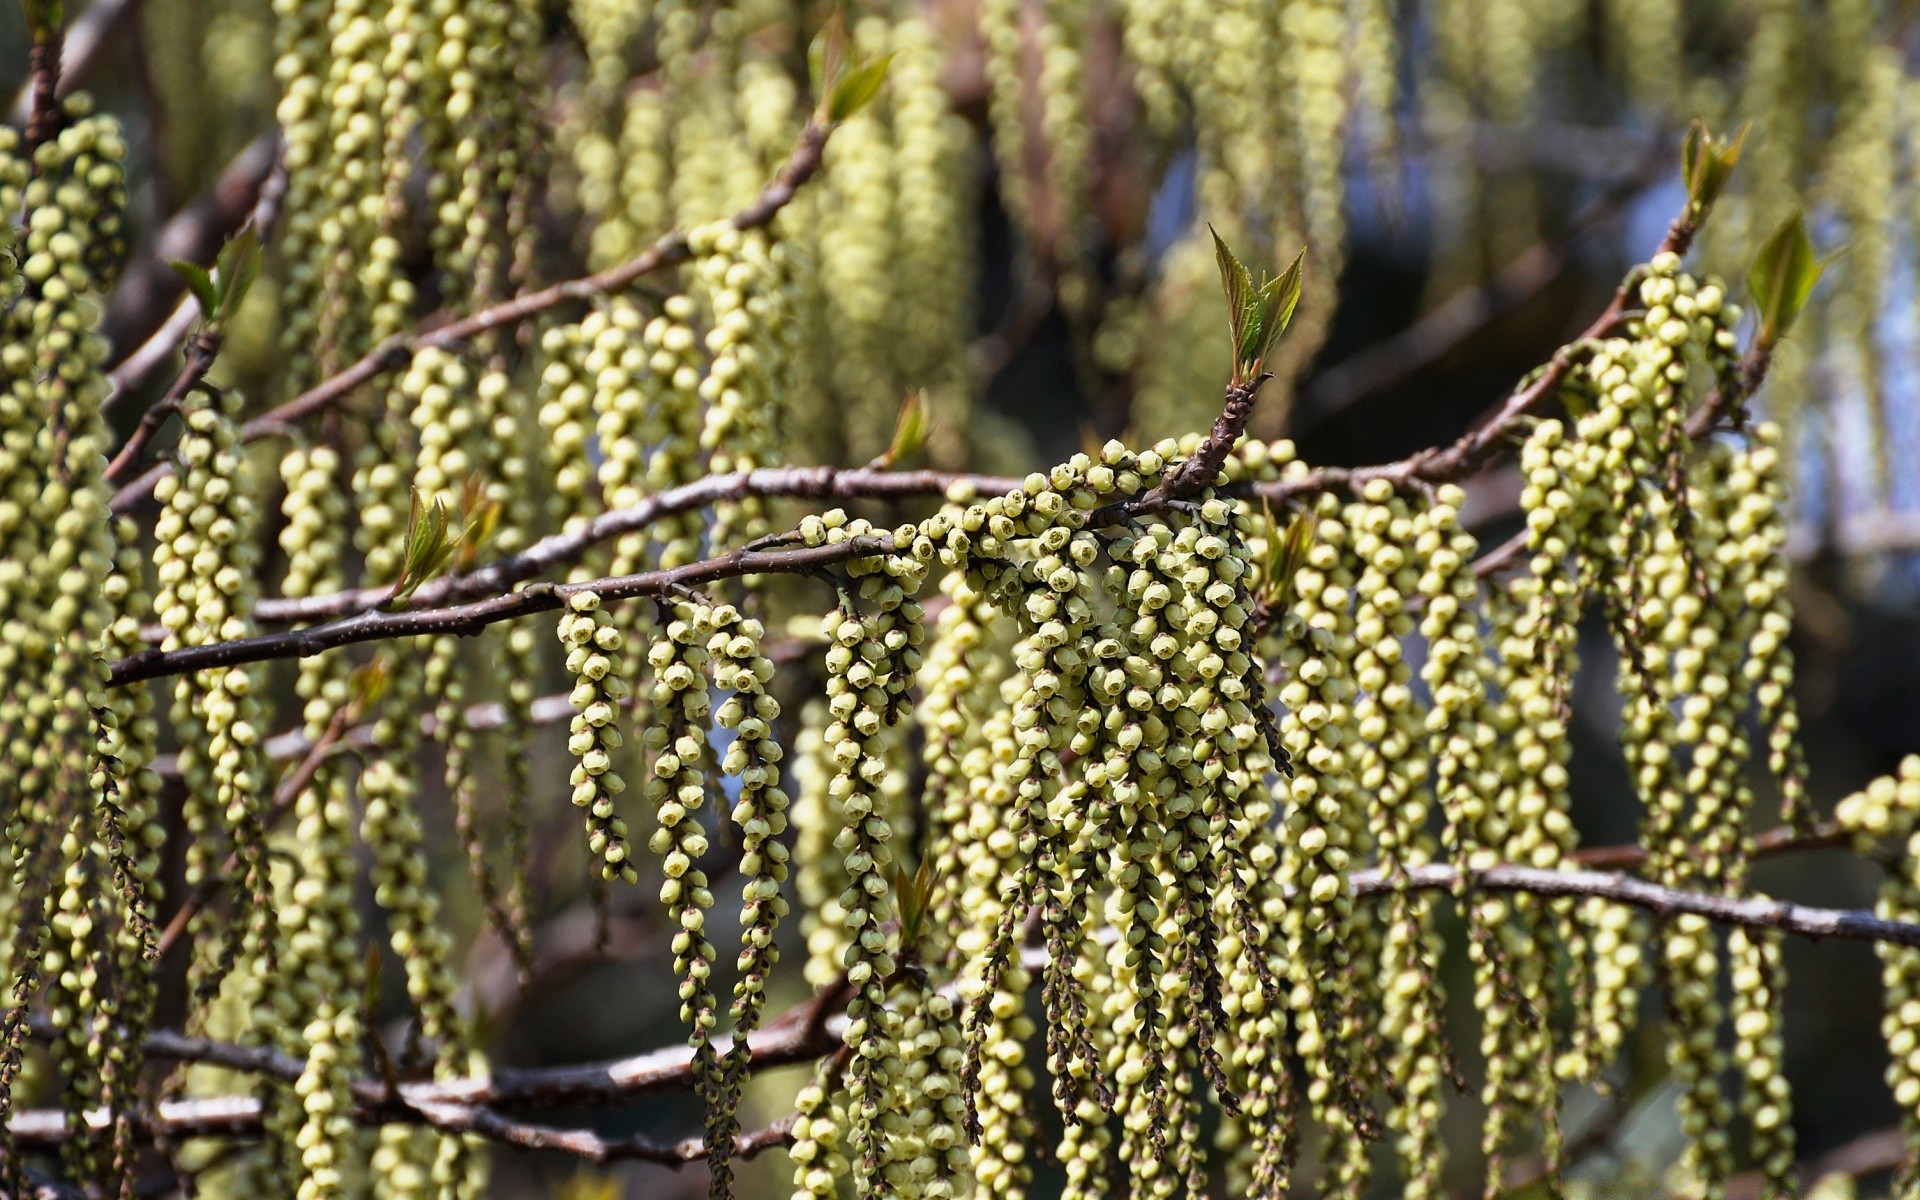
1783 277
1256 314
1237 283
367 684
857 88
912 893
44 18
1286 554
1706 162
910 429
239 266
1278 299
827 54
200 283
428 546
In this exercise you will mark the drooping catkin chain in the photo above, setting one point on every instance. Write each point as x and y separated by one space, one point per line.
321 924
206 568
870 664
681 758
80 805
742 672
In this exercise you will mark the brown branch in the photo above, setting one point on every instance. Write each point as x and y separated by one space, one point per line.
1199 470
1466 455
1779 840
1435 465
43 87
588 1145
249 191
284 798
803 1033
85 38
1466 314
670 250
468 619
1717 407
810 1030
202 348
563 550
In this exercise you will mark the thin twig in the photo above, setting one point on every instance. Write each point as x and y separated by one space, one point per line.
564 549
86 37
803 1033
202 348
1719 404
284 798
1463 316
669 251
249 191
468 619
43 87
812 1029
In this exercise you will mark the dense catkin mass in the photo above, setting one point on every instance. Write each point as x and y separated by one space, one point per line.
1181 818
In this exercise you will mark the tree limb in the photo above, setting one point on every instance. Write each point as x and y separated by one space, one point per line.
469 619
670 250
84 40
812 1029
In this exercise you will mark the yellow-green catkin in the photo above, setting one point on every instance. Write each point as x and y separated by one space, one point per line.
129 735
1374 54
676 791
78 754
1758 982
1860 177
751 342
1313 33
318 917
457 466
934 179
358 250
715 172
205 559
1886 810
592 645
1648 43
1769 658
925 1156
863 292
1394 768
819 879
819 1151
677 367
871 662
1322 829
590 130
742 672
301 47
959 687
989 849
1004 43
1066 128
473 52
408 1160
